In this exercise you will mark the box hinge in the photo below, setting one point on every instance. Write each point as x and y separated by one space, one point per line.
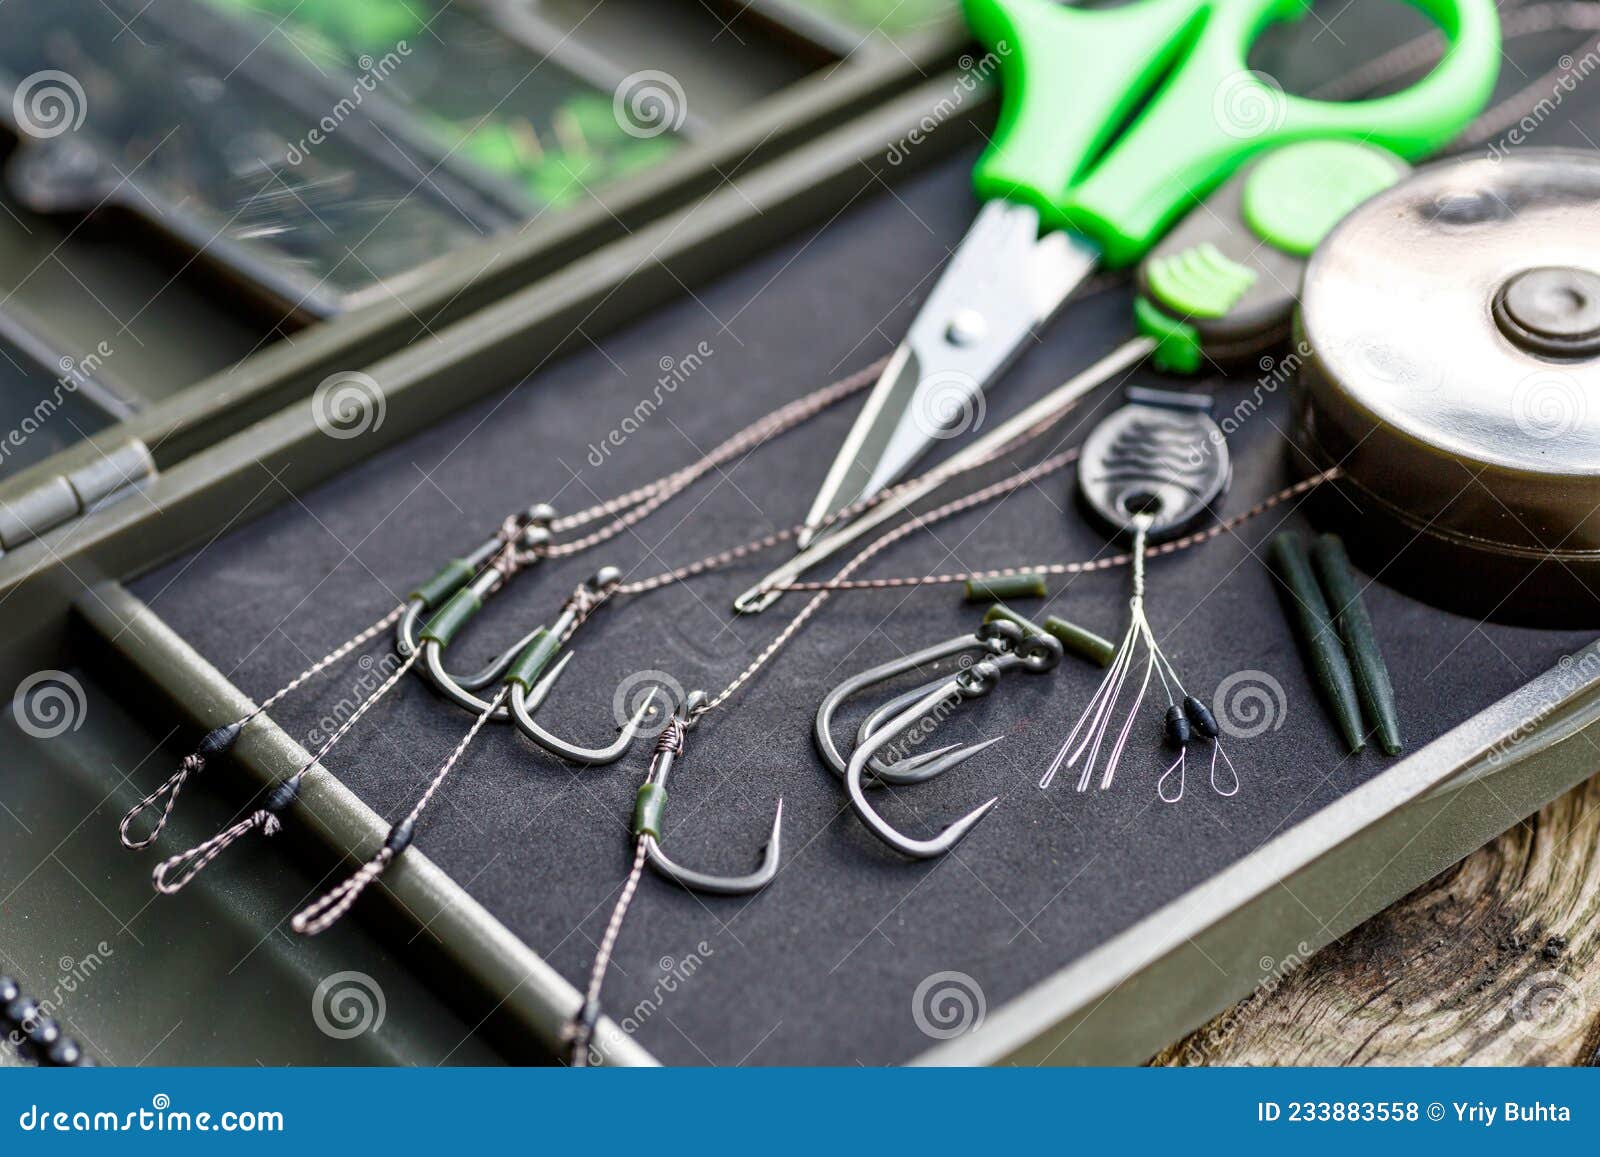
111 477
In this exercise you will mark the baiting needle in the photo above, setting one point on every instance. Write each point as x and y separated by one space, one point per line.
1129 354
1219 290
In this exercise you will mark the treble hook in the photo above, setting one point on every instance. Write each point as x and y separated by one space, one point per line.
530 676
1031 651
465 584
652 801
993 638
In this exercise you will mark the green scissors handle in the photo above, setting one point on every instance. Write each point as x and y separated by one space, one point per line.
1072 78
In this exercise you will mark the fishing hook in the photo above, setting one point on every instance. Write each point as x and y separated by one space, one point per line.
1030 651
993 638
652 801
465 584
530 675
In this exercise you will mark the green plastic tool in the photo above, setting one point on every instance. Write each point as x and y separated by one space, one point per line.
1220 289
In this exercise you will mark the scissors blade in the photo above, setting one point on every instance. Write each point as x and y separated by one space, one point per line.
1003 280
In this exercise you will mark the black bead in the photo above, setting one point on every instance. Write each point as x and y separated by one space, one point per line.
220 739
22 1011
399 838
65 1053
283 795
1200 715
1177 727
45 1032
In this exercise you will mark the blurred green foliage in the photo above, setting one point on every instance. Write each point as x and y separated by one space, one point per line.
479 94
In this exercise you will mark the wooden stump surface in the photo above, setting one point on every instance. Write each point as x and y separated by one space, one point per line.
1494 961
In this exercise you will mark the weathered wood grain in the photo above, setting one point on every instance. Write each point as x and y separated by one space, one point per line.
1495 961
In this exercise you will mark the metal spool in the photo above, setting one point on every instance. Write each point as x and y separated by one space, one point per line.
1450 331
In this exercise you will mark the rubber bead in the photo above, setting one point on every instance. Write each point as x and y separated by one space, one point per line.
219 739
283 795
64 1054
451 617
454 575
44 1032
647 809
1177 727
1016 586
531 661
1080 642
22 1010
1200 715
400 836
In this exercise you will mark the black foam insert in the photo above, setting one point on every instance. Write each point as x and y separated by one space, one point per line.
824 965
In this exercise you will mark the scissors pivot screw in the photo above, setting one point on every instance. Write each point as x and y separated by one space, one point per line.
967 328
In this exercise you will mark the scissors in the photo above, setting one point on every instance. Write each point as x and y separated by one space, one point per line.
1113 123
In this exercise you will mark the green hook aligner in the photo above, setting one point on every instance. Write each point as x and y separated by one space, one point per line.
1085 644
647 809
454 575
1016 586
459 587
533 659
451 617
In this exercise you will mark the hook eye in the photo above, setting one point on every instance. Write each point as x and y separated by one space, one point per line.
1001 635
692 706
605 580
979 679
1041 652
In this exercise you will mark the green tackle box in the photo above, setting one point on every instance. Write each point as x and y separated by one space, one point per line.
202 498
